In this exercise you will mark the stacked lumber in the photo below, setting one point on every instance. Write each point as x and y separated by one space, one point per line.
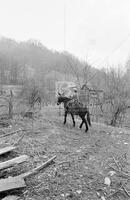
17 182
6 150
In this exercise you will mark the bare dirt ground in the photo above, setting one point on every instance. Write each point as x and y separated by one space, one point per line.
83 160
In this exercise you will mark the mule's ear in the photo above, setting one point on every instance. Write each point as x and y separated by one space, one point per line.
59 94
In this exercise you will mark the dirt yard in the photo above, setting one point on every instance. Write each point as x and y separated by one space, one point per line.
89 166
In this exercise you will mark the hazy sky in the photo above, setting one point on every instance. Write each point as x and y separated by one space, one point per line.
93 30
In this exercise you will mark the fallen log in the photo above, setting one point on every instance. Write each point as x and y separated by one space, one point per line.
6 150
14 161
11 183
35 170
11 133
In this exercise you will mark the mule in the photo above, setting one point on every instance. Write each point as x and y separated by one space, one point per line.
74 107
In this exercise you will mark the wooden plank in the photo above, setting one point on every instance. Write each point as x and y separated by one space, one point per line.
11 197
6 150
11 183
13 161
35 170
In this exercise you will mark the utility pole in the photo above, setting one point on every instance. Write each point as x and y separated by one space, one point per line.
64 25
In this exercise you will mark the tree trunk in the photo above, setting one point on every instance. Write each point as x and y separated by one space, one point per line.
115 117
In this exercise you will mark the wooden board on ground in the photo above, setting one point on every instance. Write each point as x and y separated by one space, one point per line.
11 197
14 161
11 183
6 150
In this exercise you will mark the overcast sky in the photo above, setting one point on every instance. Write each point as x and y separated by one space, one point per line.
93 30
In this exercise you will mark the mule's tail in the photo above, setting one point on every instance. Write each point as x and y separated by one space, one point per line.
88 118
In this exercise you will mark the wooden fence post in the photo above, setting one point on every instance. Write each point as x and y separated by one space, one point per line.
11 105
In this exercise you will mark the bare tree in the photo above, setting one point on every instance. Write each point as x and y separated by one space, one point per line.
81 71
116 93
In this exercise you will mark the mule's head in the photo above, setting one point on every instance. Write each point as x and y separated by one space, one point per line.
62 99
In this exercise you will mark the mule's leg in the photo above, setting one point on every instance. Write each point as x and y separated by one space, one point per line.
73 119
88 118
81 122
65 116
86 124
84 121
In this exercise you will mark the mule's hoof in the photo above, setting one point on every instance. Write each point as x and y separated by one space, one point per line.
86 131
